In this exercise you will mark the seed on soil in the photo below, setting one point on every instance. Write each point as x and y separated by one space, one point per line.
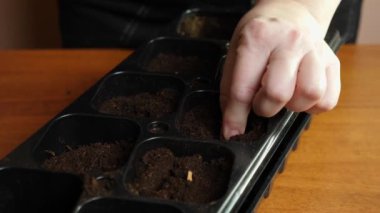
189 176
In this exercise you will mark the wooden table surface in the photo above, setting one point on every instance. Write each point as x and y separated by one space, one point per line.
336 167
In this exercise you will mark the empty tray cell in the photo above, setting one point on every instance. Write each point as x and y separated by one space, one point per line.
191 172
24 190
182 57
138 95
94 148
201 116
122 206
208 24
201 119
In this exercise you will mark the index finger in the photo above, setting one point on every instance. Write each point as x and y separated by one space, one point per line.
247 60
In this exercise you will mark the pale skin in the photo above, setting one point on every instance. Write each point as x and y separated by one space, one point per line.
278 58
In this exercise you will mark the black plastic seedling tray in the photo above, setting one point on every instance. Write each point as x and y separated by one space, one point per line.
103 115
86 122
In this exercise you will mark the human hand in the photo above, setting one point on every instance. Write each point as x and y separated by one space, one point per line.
277 58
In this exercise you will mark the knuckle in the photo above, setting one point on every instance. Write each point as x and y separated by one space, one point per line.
256 29
313 91
242 95
295 34
277 94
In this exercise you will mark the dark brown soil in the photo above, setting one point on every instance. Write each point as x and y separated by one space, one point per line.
162 174
207 27
202 122
258 128
91 161
142 105
176 64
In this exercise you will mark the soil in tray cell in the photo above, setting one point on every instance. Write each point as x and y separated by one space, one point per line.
258 128
102 160
191 178
202 122
142 105
177 64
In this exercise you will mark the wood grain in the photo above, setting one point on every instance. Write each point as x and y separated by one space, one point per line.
335 169
37 84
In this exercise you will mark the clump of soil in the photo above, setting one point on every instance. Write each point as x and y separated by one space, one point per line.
189 178
142 105
258 127
176 64
91 161
202 122
208 27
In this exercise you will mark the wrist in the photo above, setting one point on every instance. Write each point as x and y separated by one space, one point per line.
300 12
